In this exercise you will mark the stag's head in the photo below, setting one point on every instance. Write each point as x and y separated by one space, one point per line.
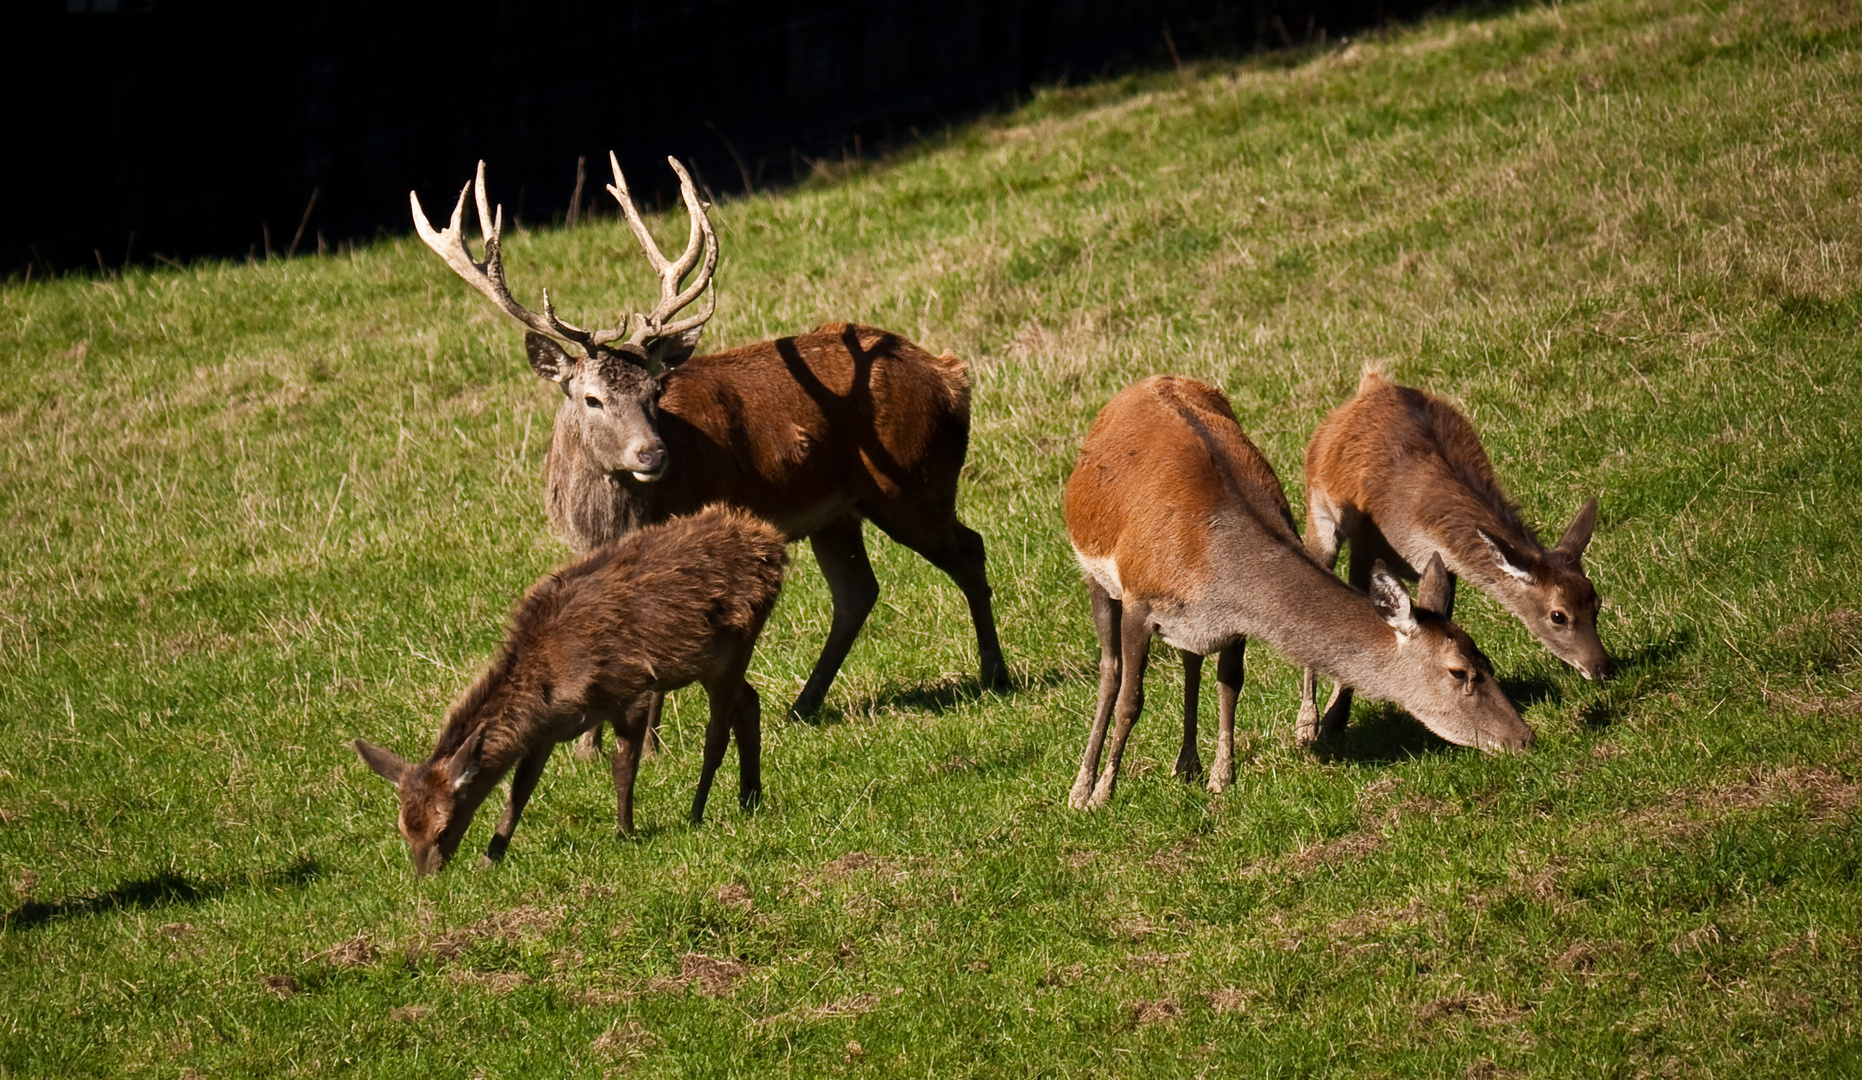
1555 598
1446 681
436 798
610 378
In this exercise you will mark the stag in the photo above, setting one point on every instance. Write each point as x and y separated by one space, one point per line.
671 604
812 433
1400 475
1183 532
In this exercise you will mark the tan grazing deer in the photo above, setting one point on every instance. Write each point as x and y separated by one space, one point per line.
1183 531
670 604
1400 475
812 433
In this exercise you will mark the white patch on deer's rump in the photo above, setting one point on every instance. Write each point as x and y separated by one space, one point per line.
1103 570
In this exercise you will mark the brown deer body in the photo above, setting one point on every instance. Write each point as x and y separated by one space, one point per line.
1184 532
813 432
673 604
1400 475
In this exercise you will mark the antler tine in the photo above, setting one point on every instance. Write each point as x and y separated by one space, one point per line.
488 276
699 239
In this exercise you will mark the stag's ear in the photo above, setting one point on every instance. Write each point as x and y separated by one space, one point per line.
548 359
1507 558
1577 534
1391 601
462 767
386 765
670 352
1436 591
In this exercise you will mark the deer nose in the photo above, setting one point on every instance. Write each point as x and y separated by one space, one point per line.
651 460
1602 669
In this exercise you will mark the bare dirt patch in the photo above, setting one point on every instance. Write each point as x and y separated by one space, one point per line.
737 896
1230 1001
279 986
1160 1011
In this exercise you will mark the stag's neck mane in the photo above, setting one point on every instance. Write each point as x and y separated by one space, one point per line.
589 506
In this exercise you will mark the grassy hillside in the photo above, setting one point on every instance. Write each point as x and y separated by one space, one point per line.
253 511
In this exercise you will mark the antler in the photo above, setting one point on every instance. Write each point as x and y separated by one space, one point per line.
488 276
671 299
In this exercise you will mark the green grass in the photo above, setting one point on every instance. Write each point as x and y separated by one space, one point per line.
253 511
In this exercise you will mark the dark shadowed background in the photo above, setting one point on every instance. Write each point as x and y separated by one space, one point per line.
174 129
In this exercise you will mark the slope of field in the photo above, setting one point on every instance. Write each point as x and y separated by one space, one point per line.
254 511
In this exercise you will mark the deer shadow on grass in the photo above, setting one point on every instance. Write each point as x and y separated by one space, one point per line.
1640 671
163 889
935 698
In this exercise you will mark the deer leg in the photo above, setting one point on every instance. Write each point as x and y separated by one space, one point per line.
588 744
841 552
523 782
723 695
624 763
957 550
1106 619
1323 539
1228 668
1189 762
748 726
653 746
1338 708
1135 652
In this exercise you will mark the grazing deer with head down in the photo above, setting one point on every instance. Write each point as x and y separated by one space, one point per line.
1400 475
1183 531
811 433
671 604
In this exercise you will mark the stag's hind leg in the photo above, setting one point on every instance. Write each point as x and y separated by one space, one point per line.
841 552
956 549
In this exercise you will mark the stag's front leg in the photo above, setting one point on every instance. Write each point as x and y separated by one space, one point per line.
1106 618
523 782
1189 763
841 552
1135 650
1228 671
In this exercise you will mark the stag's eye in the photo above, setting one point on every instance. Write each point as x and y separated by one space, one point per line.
593 402
1559 618
1460 674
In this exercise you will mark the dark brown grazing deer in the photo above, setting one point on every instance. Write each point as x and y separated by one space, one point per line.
811 433
668 605
1184 532
1400 475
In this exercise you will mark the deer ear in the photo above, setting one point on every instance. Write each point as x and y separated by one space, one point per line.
385 764
1577 534
548 359
464 764
1391 601
669 352
1508 559
1436 591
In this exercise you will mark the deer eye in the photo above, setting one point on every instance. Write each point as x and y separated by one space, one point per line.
593 402
1559 618
1460 674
